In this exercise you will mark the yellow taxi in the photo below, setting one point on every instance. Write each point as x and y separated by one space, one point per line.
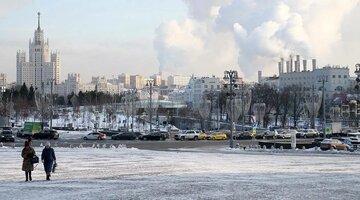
217 136
203 136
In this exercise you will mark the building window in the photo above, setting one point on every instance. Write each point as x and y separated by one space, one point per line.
339 76
334 76
345 76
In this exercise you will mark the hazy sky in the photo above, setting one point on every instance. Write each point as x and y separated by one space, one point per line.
201 37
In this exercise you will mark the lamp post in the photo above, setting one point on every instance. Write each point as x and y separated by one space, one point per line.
231 76
243 106
51 81
150 83
323 79
132 93
10 105
96 111
42 105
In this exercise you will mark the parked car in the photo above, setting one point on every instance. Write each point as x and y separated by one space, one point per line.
188 135
7 136
243 136
124 136
156 135
203 136
95 136
307 133
285 134
327 144
270 134
217 136
46 134
352 141
316 142
109 132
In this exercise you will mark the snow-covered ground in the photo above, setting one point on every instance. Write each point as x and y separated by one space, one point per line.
123 173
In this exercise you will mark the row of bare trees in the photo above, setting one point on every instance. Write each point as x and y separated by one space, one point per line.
263 101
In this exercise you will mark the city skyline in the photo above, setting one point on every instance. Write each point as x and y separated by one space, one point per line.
181 37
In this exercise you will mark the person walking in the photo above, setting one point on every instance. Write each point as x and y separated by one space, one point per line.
27 153
48 158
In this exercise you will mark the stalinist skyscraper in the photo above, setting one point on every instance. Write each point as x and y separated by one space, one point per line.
42 67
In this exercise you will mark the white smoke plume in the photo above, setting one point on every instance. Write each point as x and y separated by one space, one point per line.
253 32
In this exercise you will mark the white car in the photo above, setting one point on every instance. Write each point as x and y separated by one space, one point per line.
284 134
95 136
308 133
188 135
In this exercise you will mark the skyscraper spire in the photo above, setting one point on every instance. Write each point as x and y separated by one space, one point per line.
38 21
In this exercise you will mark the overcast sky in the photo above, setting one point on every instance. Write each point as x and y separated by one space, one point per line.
97 37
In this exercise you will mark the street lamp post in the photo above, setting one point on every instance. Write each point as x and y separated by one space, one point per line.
150 84
323 79
132 93
42 105
232 77
243 106
51 81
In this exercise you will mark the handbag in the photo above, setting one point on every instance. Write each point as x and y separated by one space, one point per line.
34 159
54 167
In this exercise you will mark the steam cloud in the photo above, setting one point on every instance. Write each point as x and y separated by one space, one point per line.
250 34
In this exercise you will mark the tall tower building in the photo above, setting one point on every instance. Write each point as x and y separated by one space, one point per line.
42 66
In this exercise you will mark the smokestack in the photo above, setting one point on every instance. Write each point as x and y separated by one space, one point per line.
282 65
291 63
297 63
314 64
305 65
279 65
259 76
288 66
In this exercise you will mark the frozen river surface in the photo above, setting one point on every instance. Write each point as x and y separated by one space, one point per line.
123 173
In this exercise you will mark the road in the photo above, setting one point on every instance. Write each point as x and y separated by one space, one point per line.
73 139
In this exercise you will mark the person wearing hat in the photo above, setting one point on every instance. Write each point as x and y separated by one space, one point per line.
27 153
48 158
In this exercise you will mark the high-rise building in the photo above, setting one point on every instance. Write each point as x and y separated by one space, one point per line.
136 82
124 79
43 65
3 82
157 79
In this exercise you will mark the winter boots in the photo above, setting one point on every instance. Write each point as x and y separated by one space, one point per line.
48 177
28 176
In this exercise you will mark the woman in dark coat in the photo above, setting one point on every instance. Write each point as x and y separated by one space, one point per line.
48 158
27 153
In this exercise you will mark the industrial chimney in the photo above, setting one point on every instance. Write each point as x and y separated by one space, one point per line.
291 63
282 65
288 66
305 65
259 76
314 64
297 63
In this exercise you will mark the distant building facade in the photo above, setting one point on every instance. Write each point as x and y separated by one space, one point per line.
177 80
198 85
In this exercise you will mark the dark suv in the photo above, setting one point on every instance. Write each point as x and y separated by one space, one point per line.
7 136
46 134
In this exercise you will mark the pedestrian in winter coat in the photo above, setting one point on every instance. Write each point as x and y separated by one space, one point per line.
27 153
48 158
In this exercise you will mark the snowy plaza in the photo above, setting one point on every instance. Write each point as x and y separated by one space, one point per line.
129 173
